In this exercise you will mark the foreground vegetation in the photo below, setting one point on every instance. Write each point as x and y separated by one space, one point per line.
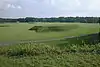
43 55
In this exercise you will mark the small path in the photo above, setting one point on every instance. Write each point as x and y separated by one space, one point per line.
32 41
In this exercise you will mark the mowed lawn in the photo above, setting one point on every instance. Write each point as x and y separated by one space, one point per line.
20 31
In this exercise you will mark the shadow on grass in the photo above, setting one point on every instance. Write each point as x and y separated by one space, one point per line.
89 39
53 28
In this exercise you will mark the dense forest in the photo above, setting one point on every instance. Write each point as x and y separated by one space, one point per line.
53 19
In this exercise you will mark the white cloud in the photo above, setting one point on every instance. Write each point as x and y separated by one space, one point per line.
63 4
14 6
4 4
84 5
94 5
11 6
50 7
19 7
78 2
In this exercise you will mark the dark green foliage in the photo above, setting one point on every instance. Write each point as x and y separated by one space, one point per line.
89 39
42 49
99 20
85 39
53 19
28 50
64 60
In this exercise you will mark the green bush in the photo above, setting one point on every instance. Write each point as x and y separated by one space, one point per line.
39 49
30 50
42 55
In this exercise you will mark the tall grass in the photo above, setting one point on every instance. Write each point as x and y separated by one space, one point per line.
43 55
39 49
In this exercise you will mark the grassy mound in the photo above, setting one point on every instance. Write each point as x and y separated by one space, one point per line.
53 28
1 25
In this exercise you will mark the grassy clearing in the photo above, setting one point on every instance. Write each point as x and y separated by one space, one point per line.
19 31
42 55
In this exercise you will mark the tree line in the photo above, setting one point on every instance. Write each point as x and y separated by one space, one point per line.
52 19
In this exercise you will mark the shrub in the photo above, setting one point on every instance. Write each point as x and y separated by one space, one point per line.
42 49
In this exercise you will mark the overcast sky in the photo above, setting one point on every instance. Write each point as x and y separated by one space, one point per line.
49 8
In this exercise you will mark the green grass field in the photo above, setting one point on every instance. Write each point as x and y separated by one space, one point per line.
59 53
19 31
